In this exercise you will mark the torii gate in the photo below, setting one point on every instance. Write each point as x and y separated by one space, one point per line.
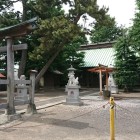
9 33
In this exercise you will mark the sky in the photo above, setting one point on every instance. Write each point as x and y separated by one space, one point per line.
122 10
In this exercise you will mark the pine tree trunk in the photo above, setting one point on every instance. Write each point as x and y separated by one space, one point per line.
44 69
22 63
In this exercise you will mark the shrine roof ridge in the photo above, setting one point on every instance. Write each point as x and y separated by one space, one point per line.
108 44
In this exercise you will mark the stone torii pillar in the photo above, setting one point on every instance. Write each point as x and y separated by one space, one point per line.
31 108
10 48
10 77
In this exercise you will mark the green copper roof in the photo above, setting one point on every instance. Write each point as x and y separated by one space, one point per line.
104 56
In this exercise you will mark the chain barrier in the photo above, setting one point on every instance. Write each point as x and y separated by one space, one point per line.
101 106
124 109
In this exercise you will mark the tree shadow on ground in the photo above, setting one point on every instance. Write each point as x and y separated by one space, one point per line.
61 122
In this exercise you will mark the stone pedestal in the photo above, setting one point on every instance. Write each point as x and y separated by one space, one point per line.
114 89
73 95
21 93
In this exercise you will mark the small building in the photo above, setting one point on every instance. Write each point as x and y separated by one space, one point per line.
51 79
95 54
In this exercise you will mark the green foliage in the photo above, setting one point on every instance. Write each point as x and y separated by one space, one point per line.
9 19
126 63
46 9
134 32
106 32
56 33
128 54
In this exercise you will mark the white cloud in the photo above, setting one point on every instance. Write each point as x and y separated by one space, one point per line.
18 6
122 10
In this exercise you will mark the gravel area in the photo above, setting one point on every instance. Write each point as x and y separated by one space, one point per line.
87 122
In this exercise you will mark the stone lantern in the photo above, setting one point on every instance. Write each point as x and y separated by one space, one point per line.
72 89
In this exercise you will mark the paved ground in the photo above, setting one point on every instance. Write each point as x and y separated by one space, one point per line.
87 122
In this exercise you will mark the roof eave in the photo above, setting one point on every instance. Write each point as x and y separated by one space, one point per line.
19 29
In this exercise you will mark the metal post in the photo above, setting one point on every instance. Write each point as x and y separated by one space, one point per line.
112 121
31 107
10 76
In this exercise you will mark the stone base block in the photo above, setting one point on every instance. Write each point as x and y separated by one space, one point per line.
71 101
6 118
76 104
24 98
31 109
106 94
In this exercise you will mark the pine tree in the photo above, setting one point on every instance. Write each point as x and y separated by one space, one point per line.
128 54
126 64
106 32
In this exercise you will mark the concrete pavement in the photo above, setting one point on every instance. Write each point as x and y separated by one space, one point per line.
65 122
87 122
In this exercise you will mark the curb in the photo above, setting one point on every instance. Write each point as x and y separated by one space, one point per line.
42 106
